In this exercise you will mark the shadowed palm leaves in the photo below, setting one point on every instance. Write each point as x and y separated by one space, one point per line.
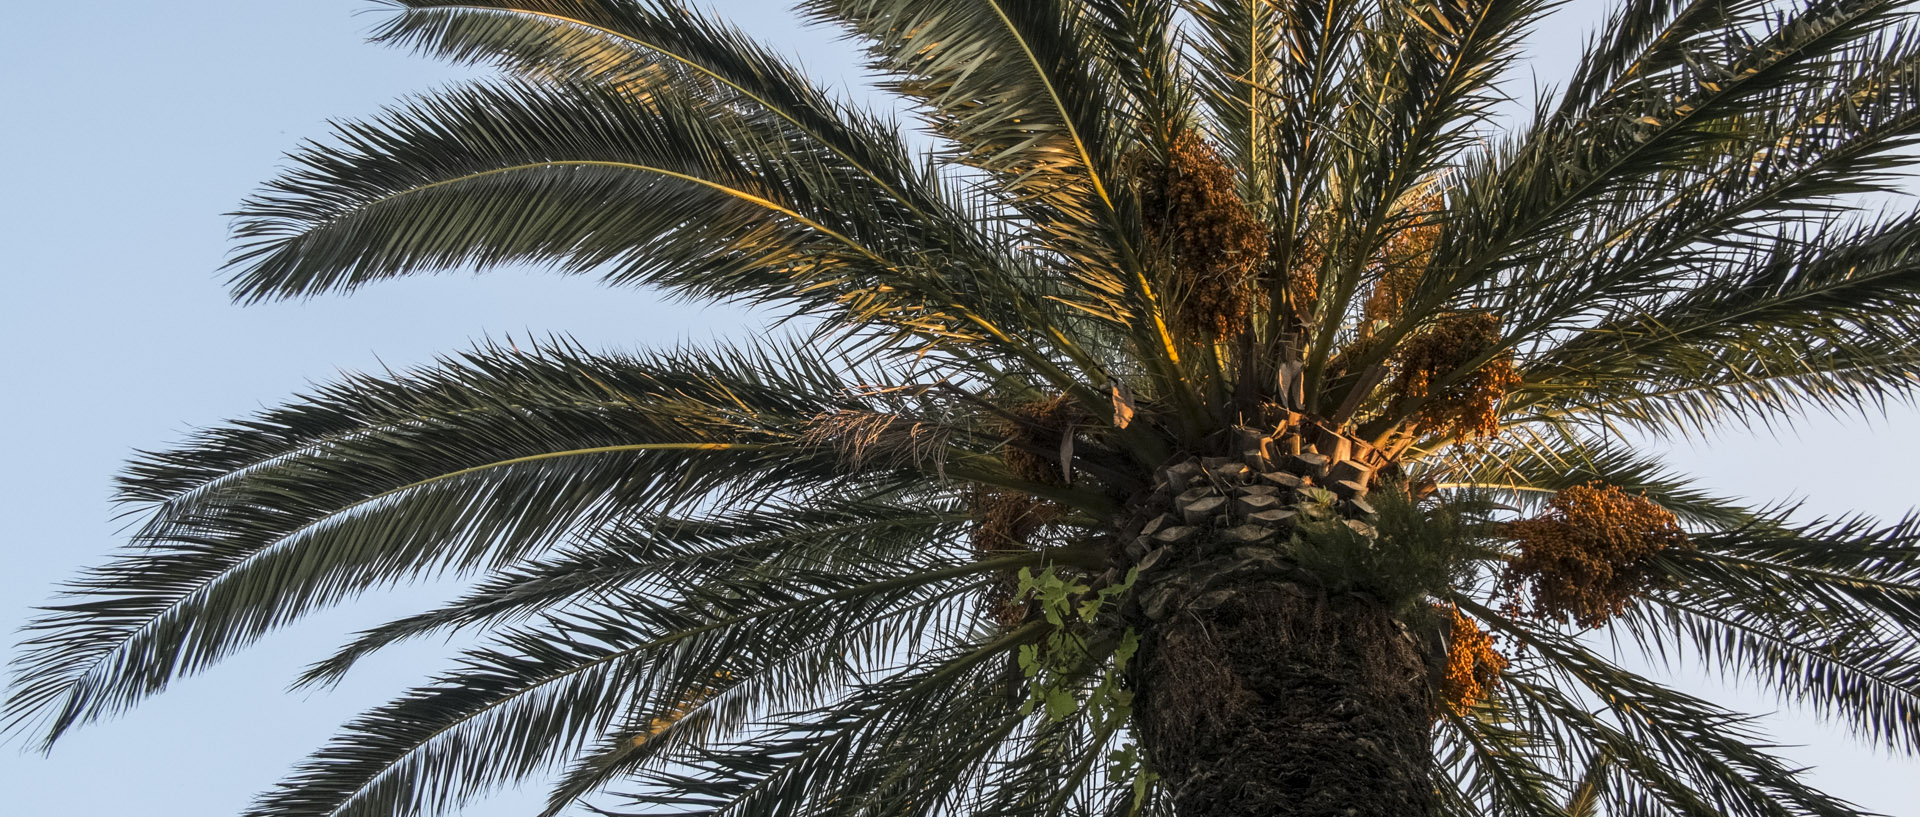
1195 308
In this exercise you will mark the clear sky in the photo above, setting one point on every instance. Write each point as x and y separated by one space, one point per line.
130 127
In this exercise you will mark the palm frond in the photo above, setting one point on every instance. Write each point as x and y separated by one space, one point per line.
1644 39
1828 614
647 50
538 695
1490 765
1422 80
1825 321
1528 466
810 760
1804 157
1686 754
657 553
648 47
1015 86
1516 208
472 464
589 179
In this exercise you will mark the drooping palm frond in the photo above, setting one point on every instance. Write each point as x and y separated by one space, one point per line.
1674 753
541 694
660 554
1828 614
472 464
1494 764
800 769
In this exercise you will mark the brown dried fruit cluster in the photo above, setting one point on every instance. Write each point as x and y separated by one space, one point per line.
1468 407
1035 427
1219 243
1590 554
1398 267
1005 521
1473 665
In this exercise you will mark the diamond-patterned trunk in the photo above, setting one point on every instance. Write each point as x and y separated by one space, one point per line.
1260 692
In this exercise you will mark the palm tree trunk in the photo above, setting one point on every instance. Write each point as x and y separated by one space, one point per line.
1273 699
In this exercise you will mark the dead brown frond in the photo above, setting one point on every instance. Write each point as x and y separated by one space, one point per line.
1590 554
1469 406
1219 244
866 439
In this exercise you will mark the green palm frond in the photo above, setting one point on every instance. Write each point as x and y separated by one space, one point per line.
500 173
1423 78
1688 755
801 768
1591 788
1488 763
537 695
471 464
660 48
1020 92
1528 472
654 51
1515 210
1134 35
1828 614
1644 40
1794 160
1823 321
1015 86
654 553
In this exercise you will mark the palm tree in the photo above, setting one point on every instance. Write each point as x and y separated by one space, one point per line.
1220 419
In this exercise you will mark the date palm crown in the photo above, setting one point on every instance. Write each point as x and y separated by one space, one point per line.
1222 417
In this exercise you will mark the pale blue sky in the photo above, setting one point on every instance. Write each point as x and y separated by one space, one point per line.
131 126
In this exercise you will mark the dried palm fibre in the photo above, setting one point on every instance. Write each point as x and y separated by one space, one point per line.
1467 407
1473 665
864 438
1590 554
1218 243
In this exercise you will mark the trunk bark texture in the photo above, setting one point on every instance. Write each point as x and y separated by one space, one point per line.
1270 698
1258 692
